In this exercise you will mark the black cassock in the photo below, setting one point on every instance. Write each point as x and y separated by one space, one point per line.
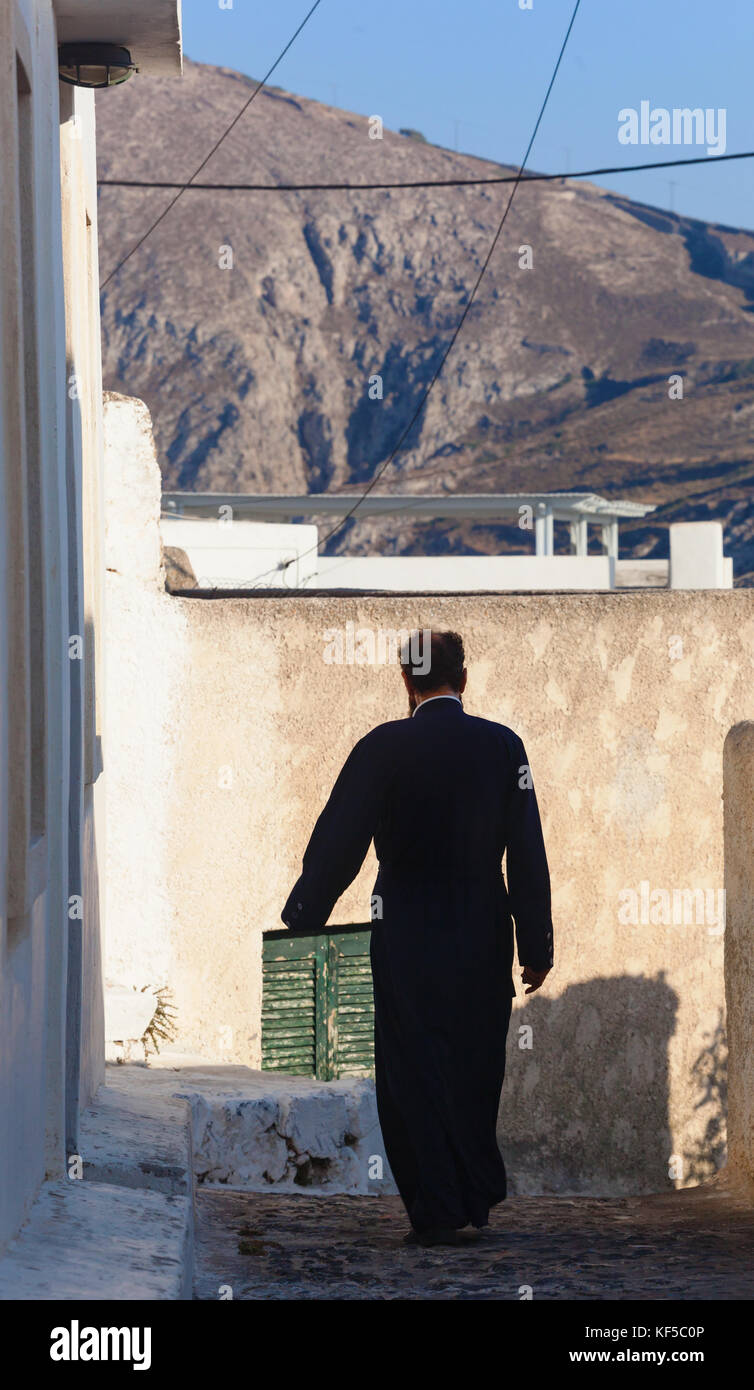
443 794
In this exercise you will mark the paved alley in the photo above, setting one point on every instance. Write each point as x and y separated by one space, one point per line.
697 1244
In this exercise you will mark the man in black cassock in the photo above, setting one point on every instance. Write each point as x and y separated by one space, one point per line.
444 795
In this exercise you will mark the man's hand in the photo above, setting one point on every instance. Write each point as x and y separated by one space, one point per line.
533 978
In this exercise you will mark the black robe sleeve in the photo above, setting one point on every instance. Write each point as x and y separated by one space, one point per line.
528 874
339 841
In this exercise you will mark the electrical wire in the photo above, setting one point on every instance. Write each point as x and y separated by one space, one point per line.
215 147
451 344
419 183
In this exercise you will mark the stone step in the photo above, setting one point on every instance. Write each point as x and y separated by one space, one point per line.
137 1136
121 1226
91 1240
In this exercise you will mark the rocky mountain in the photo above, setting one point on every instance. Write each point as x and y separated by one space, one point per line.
252 322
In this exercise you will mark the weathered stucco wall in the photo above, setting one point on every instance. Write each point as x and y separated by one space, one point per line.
231 727
626 746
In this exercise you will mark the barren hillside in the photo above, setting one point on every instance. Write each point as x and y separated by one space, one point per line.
258 376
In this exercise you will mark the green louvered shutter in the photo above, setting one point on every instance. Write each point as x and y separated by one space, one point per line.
353 1043
317 1004
289 980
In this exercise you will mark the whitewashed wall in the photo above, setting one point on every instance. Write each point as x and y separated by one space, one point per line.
51 1046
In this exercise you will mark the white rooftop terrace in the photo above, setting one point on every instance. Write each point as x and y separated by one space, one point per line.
263 541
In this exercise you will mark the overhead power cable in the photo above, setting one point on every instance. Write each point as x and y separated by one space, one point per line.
451 344
418 183
182 188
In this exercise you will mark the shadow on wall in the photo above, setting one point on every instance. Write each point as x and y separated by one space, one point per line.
707 1155
585 1101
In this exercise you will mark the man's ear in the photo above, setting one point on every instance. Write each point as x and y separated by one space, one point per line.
464 678
410 690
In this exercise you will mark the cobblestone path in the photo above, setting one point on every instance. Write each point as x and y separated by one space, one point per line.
697 1244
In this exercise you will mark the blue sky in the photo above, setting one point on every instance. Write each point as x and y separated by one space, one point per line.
472 74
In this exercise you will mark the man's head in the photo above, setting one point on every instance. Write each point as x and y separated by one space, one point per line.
437 671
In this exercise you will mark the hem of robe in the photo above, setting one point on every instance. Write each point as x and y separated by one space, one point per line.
474 1210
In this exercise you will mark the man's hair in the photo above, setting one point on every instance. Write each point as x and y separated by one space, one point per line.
442 665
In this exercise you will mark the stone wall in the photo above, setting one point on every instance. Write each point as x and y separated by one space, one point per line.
228 727
739 946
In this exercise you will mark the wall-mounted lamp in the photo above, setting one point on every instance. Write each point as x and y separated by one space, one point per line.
94 64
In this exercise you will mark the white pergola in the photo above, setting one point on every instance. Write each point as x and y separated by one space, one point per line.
579 509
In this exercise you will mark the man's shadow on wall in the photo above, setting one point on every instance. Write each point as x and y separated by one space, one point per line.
585 1100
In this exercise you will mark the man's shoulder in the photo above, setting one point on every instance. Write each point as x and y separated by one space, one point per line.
395 730
379 740
496 730
386 733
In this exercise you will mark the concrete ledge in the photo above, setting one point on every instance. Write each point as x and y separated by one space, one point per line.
95 1241
260 1131
290 1134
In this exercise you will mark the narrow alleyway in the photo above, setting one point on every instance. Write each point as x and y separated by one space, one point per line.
697 1244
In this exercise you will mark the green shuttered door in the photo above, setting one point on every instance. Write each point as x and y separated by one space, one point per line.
317 1004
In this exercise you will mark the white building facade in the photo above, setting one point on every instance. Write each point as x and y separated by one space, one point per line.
51 661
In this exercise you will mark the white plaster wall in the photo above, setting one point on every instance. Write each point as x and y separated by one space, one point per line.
226 555
11 1201
146 675
30 1005
35 1007
32 951
83 496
